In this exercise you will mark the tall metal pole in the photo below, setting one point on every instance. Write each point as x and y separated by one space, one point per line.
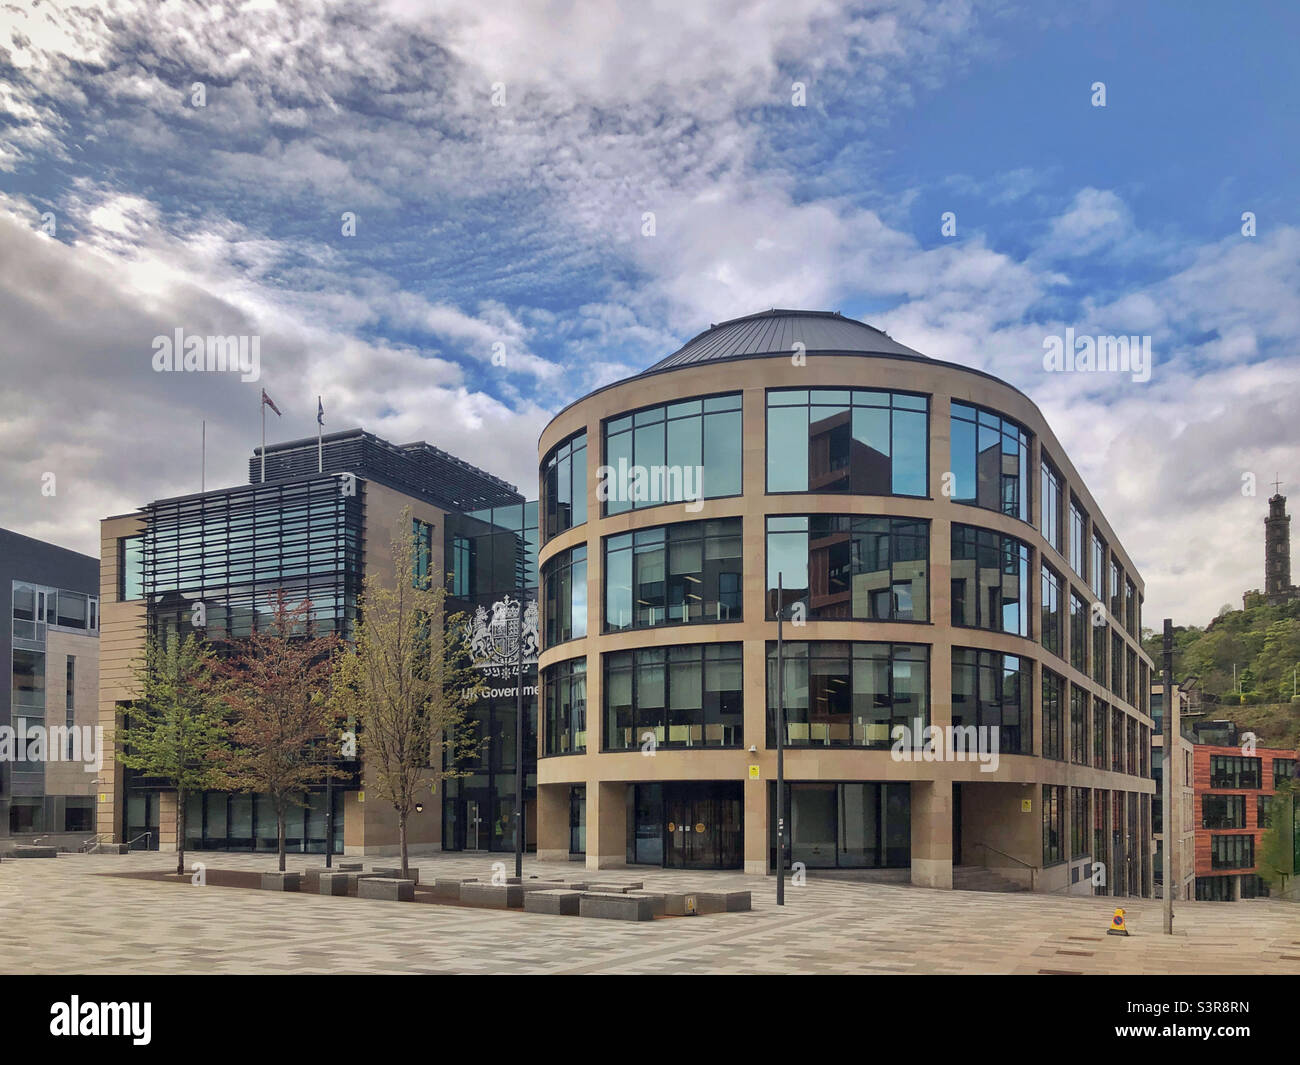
1172 819
264 436
780 741
520 774
329 804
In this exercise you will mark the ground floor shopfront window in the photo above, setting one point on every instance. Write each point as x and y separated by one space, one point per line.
851 825
680 825
224 821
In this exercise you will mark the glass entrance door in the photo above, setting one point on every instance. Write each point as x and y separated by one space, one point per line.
474 826
703 826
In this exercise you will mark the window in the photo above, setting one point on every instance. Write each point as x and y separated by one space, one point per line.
841 694
673 575
847 440
674 697
1232 852
1050 610
1116 591
670 454
841 566
1130 608
990 461
564 589
1214 888
73 610
1053 738
460 577
1079 821
1223 811
993 690
28 686
1053 824
1116 663
1234 771
1263 812
1131 677
69 700
1078 540
1097 567
1131 735
1157 800
564 486
1100 723
1078 725
990 581
565 693
1098 646
1283 769
422 534
1117 747
130 568
1078 634
1050 503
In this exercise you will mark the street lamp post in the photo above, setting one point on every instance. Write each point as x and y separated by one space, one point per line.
780 741
520 775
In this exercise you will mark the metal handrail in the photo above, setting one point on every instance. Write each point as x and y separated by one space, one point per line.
142 835
1033 870
86 846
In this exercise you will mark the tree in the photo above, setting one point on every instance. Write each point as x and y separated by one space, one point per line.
176 729
276 687
1278 845
406 682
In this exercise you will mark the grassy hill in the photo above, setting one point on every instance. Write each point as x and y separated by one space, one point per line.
1263 643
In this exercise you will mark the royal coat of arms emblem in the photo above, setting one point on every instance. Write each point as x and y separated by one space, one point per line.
495 637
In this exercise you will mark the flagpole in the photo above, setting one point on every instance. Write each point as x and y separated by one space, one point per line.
320 445
264 436
203 465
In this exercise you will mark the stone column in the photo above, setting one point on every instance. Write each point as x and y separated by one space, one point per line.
606 824
552 822
932 833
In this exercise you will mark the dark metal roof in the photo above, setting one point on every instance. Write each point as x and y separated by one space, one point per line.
418 468
776 332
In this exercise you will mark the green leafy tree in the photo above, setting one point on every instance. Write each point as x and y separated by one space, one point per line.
406 682
175 729
1278 845
275 683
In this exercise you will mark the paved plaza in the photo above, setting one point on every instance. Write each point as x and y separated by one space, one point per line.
72 915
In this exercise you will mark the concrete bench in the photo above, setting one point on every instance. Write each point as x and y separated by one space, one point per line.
616 907
578 885
391 889
556 901
681 905
722 901
615 889
349 867
334 883
492 896
531 886
394 872
658 901
31 851
449 887
281 881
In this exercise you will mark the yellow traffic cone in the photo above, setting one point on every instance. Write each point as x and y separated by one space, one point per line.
1117 925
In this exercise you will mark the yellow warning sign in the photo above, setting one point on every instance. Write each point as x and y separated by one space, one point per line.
1026 806
753 772
699 826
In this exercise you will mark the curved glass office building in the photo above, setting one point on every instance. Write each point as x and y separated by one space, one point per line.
960 690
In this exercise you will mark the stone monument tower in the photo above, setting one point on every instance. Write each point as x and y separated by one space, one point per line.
1277 551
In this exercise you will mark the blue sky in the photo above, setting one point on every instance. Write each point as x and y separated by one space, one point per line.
518 228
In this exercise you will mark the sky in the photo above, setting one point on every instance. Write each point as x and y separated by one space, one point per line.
449 220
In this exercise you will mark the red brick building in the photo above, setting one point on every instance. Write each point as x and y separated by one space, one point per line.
1233 792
